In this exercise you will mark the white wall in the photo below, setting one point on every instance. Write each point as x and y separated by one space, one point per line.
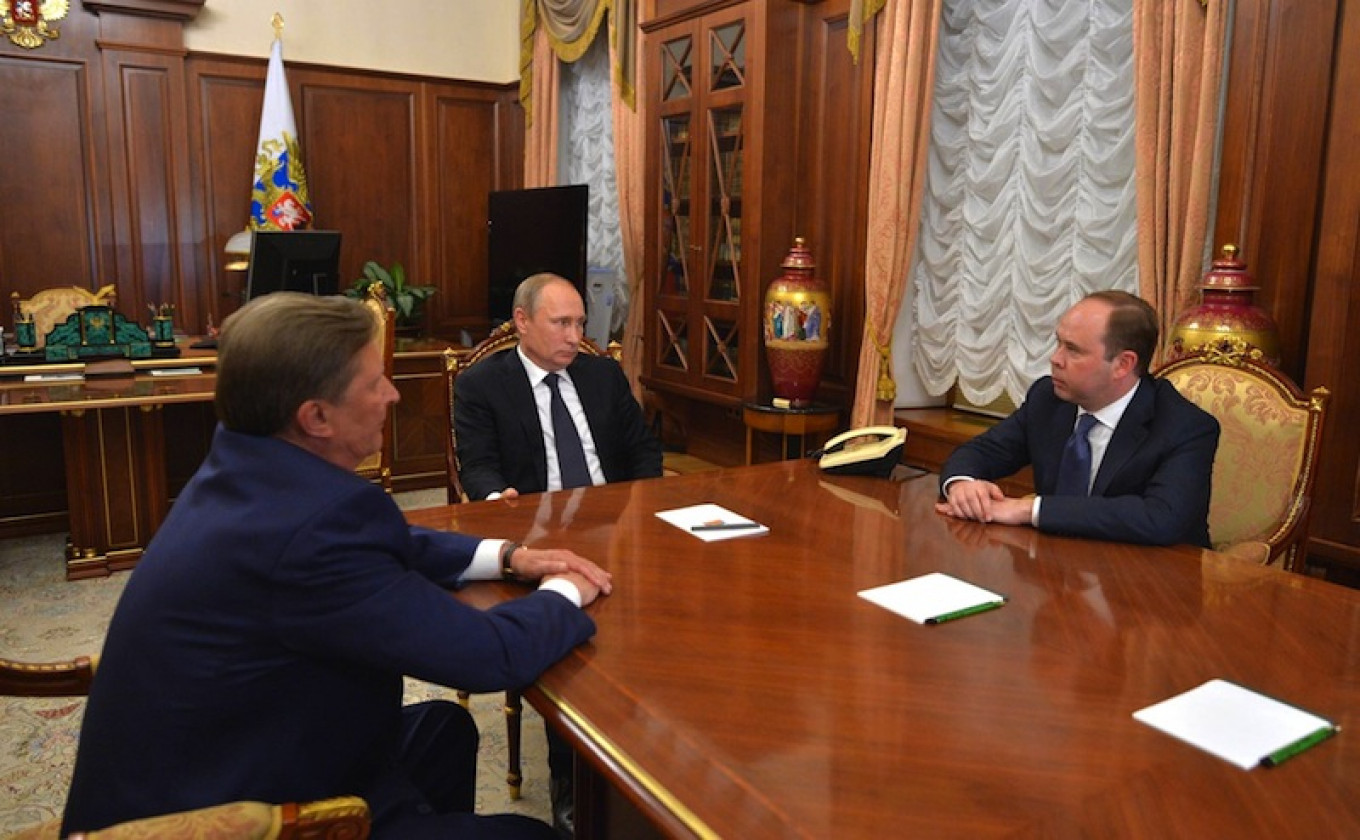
476 40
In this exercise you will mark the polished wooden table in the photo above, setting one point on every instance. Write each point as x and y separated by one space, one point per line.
741 688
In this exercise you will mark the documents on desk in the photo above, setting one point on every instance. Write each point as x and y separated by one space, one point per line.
934 598
1237 724
711 523
185 371
54 377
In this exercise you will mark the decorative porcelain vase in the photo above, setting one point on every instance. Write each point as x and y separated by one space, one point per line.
1227 311
796 322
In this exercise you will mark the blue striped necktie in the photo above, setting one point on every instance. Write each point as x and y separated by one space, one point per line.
1074 472
571 455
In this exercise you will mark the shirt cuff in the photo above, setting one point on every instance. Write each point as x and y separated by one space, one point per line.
562 587
491 497
1034 513
486 561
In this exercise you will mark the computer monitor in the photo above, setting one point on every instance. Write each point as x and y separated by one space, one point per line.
294 261
532 231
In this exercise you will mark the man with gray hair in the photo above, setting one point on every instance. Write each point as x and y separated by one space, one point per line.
259 648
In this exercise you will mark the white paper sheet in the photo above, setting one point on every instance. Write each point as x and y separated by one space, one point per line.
932 598
1234 723
712 522
187 371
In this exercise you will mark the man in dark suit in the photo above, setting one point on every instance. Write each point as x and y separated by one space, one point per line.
508 439
1151 451
258 650
502 413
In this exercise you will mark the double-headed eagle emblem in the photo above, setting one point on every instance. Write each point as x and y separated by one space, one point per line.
27 23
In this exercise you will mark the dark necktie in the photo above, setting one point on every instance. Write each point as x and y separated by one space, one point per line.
1074 473
571 456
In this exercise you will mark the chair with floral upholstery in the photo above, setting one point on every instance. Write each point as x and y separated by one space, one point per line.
1267 452
341 817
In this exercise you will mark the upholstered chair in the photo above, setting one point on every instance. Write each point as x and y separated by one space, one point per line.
1267 452
344 817
502 338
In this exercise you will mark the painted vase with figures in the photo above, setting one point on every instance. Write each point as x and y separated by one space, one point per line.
796 322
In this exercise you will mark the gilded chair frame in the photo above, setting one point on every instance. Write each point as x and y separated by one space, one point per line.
1233 381
378 466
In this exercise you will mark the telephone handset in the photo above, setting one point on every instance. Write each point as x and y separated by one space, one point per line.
875 457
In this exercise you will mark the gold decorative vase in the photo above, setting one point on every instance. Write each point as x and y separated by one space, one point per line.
1227 310
796 322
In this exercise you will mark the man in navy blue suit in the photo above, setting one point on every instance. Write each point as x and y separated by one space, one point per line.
507 440
1151 451
259 648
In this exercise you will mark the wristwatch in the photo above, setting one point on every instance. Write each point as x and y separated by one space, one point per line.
507 571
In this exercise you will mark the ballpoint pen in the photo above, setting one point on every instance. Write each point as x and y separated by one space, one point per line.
725 526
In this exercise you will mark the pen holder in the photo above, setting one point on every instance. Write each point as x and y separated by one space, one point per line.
26 336
163 331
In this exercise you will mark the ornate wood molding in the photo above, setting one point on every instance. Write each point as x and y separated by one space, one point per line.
182 10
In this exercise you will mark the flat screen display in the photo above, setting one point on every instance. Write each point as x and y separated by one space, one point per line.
532 231
294 261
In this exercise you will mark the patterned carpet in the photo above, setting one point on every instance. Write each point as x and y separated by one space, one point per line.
48 618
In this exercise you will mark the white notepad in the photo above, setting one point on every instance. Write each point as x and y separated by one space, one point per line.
933 598
711 523
1237 724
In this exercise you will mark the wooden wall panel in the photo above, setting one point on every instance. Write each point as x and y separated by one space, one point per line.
833 168
359 146
155 216
224 102
1275 121
49 231
464 136
1334 340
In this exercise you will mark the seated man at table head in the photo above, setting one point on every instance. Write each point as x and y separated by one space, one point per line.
503 405
1145 477
259 648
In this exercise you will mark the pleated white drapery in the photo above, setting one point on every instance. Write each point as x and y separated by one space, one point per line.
1030 199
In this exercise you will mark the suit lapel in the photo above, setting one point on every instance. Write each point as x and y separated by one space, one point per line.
1128 436
521 398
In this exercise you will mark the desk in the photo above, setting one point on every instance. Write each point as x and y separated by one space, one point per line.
787 423
114 447
741 689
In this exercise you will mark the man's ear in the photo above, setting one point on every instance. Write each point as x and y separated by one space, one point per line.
313 418
521 318
1125 363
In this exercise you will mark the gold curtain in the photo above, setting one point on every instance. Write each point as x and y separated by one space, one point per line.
861 12
1178 51
540 137
904 79
571 26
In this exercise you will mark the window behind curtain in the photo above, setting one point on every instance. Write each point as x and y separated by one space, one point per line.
1030 195
586 156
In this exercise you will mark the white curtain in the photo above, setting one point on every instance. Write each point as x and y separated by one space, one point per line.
586 156
1030 199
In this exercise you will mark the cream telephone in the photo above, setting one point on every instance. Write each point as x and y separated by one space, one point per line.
877 456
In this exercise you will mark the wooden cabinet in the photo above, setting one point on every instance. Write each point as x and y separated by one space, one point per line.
721 145
757 125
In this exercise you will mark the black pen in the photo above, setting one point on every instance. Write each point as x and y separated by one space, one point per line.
726 526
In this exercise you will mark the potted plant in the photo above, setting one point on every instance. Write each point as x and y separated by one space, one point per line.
407 299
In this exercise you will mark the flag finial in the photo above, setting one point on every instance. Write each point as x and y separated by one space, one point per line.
277 22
